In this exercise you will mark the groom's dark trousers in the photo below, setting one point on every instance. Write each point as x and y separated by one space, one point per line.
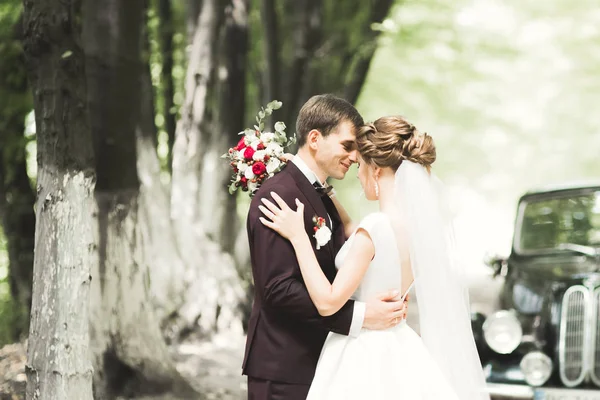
259 389
285 331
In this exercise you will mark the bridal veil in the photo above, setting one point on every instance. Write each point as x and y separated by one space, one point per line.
442 296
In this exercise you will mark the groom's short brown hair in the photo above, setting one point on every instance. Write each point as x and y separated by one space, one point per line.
324 112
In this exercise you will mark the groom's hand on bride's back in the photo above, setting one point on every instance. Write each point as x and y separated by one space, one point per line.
385 311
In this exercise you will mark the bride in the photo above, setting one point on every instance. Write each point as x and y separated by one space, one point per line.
406 242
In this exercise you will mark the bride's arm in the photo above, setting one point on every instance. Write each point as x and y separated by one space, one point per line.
328 298
349 226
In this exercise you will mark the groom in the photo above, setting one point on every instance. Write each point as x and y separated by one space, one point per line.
285 331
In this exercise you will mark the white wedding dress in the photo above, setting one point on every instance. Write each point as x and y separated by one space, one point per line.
378 365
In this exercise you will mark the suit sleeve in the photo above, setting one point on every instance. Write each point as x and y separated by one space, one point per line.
277 275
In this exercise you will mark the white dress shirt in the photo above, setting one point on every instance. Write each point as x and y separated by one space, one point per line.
358 316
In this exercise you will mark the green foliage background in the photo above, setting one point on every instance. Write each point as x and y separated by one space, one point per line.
11 103
509 90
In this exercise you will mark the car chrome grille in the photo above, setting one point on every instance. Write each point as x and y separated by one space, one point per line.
595 339
573 346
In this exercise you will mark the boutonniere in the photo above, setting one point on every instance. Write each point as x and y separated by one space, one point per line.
322 231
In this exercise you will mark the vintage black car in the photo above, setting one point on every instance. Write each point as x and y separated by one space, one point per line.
544 343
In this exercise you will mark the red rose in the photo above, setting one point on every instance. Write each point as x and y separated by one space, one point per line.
244 181
241 145
248 153
260 146
258 168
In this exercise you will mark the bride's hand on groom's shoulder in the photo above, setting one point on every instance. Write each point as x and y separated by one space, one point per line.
282 219
385 311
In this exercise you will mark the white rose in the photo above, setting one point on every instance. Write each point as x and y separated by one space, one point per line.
254 142
275 149
241 166
273 164
322 235
249 174
259 155
267 137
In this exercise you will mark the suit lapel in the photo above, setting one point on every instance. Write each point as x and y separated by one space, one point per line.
315 201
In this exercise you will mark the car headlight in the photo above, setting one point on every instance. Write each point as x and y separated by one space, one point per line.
536 367
502 332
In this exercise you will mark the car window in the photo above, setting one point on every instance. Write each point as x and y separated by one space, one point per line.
547 223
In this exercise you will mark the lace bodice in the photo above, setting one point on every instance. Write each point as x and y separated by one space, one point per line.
384 272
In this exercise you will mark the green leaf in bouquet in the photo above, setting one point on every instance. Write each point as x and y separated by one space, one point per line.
261 115
261 126
275 105
250 132
291 140
232 188
279 127
226 155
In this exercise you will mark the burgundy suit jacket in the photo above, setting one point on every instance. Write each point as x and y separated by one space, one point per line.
285 331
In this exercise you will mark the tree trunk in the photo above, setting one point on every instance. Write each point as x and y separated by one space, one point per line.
357 73
16 195
188 149
166 43
167 270
330 51
270 22
306 18
58 365
192 8
197 172
224 223
129 354
218 207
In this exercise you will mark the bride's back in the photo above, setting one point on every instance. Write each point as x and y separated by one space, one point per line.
385 270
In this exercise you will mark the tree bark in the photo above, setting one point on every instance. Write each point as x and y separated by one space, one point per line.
193 8
17 198
188 149
58 365
198 173
129 354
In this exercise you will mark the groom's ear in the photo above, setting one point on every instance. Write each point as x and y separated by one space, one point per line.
312 139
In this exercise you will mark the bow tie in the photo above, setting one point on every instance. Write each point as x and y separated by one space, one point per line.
322 190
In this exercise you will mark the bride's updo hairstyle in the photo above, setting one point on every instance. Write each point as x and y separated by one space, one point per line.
390 140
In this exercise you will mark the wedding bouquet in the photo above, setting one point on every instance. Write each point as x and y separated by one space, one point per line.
259 154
